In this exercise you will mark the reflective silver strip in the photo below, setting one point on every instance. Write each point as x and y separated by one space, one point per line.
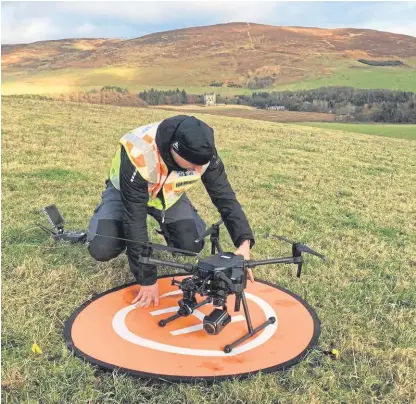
151 163
136 141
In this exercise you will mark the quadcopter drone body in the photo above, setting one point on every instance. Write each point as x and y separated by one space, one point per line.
214 278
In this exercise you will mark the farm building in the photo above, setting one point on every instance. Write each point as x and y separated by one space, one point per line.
210 99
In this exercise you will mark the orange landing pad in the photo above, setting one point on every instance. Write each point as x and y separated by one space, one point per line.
110 332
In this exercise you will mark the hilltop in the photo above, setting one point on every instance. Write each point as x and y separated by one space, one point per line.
235 54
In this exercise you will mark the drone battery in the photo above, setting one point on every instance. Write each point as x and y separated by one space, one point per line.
216 321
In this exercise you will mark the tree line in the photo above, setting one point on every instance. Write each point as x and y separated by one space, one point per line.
350 104
175 97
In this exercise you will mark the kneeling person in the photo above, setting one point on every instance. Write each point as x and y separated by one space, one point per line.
153 167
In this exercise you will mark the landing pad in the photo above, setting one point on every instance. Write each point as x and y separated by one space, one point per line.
110 332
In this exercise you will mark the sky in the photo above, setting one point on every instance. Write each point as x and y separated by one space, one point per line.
26 22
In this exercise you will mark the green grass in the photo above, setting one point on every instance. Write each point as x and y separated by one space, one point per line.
387 130
392 78
351 197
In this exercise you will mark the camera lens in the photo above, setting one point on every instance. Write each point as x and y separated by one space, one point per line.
209 328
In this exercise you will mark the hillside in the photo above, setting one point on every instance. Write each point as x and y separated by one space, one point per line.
239 53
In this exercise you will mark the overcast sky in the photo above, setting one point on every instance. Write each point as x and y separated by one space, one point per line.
25 22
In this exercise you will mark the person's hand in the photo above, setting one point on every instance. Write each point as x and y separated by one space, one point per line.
244 250
147 295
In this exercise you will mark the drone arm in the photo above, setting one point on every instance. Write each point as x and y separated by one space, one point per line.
148 260
283 260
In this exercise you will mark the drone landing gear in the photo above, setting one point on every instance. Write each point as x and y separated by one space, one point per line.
230 347
251 331
214 233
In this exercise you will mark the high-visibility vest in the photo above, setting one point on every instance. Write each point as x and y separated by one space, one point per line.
140 145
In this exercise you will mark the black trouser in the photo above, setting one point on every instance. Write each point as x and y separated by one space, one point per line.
182 226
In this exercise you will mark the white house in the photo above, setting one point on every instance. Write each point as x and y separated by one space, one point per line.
276 108
210 99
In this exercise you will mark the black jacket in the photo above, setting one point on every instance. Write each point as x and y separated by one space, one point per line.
134 195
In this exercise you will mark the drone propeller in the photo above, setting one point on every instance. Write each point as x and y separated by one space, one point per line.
299 246
305 248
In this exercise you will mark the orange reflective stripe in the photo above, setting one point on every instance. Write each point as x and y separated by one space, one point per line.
129 147
147 138
154 189
140 161
168 187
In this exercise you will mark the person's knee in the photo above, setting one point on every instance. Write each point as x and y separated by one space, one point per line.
107 241
183 234
101 251
190 245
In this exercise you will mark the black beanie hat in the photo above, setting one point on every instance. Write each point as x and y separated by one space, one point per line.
194 141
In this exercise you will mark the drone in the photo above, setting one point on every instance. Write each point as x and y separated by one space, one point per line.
215 278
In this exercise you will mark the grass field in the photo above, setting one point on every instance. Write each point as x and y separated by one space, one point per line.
314 119
351 197
239 111
398 131
392 78
349 74
135 79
